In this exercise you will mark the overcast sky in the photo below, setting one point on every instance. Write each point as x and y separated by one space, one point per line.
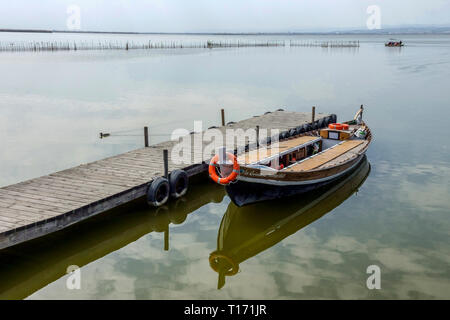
219 15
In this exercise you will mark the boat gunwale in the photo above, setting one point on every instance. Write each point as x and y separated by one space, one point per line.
313 174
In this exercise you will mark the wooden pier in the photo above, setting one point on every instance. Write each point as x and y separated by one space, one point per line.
44 205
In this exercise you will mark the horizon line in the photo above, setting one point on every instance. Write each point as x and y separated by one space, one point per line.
349 30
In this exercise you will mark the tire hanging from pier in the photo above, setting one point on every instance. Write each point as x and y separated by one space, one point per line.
178 182
158 192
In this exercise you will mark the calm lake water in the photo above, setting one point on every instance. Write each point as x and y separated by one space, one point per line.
393 212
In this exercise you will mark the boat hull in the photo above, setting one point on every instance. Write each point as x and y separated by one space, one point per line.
247 192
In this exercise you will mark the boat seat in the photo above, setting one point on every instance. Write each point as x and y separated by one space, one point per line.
284 147
325 156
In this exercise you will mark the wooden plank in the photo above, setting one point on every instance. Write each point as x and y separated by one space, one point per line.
104 177
39 191
7 218
12 196
125 167
131 165
80 182
351 153
28 207
115 170
11 225
95 178
140 165
57 186
26 216
43 205
261 153
48 197
32 212
325 156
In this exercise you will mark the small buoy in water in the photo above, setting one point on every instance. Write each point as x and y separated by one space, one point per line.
158 192
179 182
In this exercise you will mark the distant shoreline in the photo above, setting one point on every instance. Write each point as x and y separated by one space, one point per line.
348 32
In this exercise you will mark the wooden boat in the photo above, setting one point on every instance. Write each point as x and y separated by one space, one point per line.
301 163
248 231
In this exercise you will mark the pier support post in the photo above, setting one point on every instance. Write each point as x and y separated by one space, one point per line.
313 114
146 136
166 163
222 111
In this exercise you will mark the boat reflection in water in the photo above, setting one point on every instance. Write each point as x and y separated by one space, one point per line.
246 231
28 267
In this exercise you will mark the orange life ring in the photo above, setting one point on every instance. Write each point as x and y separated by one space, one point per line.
345 126
233 175
336 126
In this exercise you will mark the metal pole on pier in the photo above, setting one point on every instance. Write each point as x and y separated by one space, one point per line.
166 163
146 136
313 114
257 136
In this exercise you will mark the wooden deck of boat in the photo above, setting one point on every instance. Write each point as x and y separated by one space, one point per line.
43 205
326 156
265 152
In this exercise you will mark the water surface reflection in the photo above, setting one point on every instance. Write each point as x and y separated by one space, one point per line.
243 233
31 266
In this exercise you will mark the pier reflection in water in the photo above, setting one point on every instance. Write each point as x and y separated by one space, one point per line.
29 267
247 231
243 233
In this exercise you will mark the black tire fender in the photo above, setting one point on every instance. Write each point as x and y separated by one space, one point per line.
333 118
322 122
308 127
158 192
179 183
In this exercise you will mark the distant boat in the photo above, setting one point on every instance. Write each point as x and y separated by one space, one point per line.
299 164
394 43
